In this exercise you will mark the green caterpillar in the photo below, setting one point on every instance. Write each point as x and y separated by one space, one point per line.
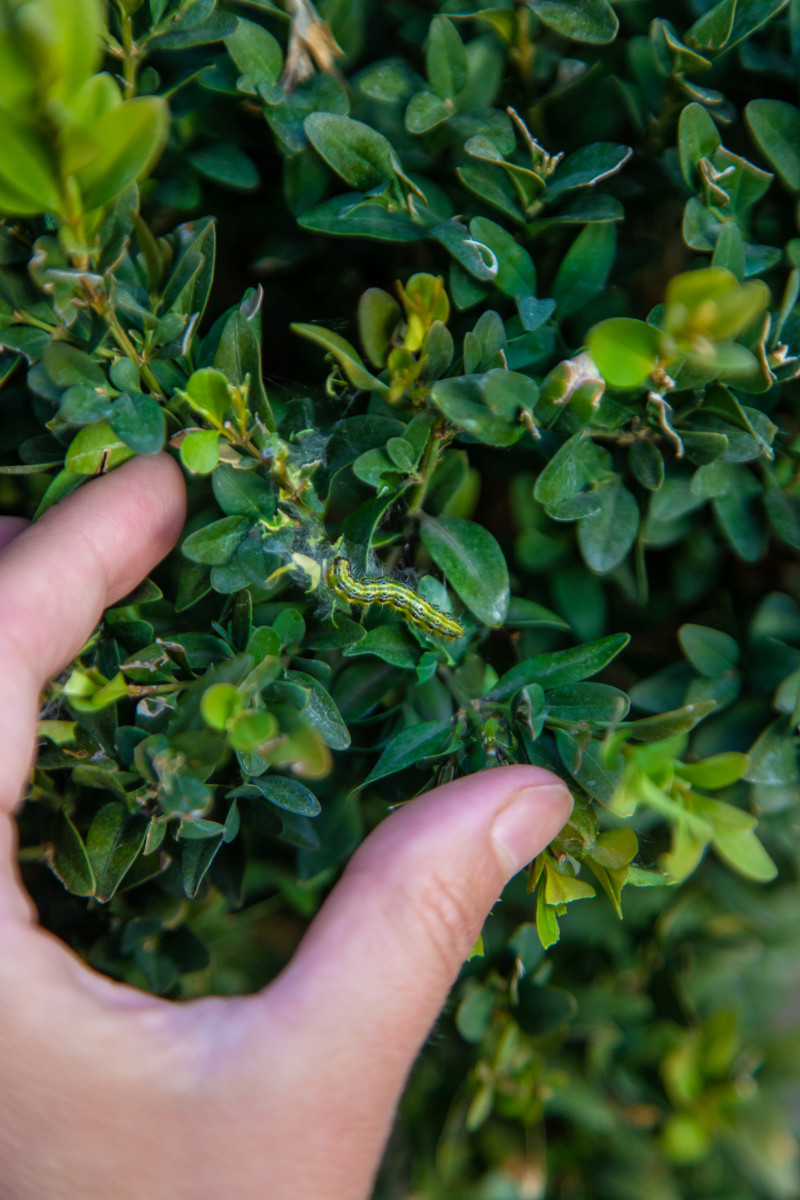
396 595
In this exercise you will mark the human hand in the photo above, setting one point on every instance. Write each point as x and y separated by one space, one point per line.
110 1094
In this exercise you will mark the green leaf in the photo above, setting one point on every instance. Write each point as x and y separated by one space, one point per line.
473 255
66 39
257 55
363 157
425 111
321 711
209 394
139 420
115 148
28 182
624 350
187 289
220 703
473 564
598 771
81 405
67 367
698 138
199 451
226 164
592 21
775 125
516 273
249 730
242 492
60 733
217 542
718 771
346 355
238 357
410 747
445 59
527 614
730 250
563 889
666 725
477 406
563 477
96 449
606 536
560 667
731 21
773 756
288 794
585 268
593 702
190 30
64 483
113 843
783 510
389 643
68 858
615 848
354 215
585 168
710 651
647 464
378 317
741 849
197 855
474 1014
546 922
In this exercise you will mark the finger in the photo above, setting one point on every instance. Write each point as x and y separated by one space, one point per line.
11 527
58 575
375 968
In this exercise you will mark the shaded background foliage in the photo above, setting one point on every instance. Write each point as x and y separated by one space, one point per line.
573 420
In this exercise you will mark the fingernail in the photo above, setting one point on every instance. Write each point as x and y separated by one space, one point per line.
528 823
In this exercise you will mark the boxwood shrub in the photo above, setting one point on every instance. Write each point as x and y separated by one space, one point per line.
498 304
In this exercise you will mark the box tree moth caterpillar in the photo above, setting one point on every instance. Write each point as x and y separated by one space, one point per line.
402 599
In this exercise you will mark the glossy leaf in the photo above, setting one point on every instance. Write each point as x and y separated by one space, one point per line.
473 564
113 844
95 449
560 667
445 59
410 747
775 125
257 54
363 157
216 543
68 859
592 21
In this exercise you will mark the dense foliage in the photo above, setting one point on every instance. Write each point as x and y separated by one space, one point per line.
542 261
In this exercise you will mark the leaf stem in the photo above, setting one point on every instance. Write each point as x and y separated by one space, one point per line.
430 461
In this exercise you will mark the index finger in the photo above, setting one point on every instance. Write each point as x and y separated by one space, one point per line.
58 576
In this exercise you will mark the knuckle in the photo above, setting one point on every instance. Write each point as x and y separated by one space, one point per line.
441 910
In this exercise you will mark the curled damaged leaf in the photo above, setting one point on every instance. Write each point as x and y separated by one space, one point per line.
345 355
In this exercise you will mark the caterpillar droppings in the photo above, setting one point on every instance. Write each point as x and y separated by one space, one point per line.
395 595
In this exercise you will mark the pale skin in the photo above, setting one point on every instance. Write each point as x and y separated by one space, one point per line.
285 1095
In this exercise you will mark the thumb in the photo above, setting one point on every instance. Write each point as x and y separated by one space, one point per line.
374 970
